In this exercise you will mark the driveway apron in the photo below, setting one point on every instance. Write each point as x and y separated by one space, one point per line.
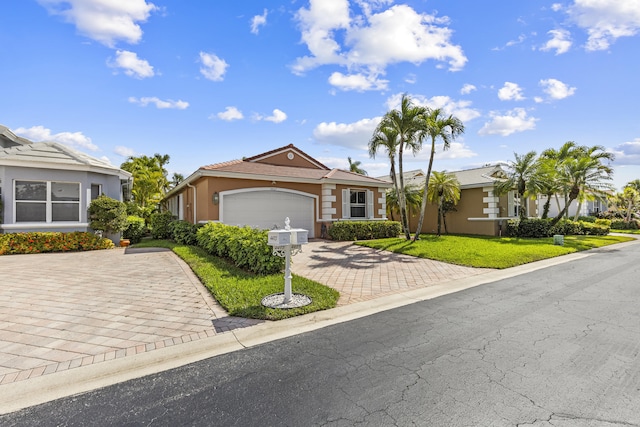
64 310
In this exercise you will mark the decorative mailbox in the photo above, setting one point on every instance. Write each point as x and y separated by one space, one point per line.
280 238
299 236
287 242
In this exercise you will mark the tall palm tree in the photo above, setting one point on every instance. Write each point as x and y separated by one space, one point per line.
436 126
387 139
631 197
407 123
443 187
355 167
520 175
585 173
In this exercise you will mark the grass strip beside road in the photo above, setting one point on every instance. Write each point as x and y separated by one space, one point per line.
490 252
240 292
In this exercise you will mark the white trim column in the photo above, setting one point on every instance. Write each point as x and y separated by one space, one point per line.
492 210
383 202
328 199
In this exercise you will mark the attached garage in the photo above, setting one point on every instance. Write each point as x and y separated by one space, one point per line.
267 208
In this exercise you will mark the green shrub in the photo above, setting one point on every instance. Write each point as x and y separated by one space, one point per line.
364 230
107 215
160 225
587 218
624 225
604 222
184 232
246 247
135 230
538 227
39 242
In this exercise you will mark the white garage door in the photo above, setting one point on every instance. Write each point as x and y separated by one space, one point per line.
268 209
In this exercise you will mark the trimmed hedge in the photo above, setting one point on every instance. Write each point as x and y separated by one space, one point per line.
246 247
160 223
39 242
624 225
135 230
537 227
184 232
364 230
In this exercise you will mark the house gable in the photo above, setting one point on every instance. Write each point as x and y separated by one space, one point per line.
287 156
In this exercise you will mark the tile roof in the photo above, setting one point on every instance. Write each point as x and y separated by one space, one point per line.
289 147
476 177
55 154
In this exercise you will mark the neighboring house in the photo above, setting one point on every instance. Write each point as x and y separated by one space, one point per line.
479 211
46 186
587 207
263 190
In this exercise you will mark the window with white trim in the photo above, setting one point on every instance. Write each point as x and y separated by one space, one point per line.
47 201
357 203
515 202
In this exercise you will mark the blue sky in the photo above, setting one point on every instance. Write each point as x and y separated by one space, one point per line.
211 81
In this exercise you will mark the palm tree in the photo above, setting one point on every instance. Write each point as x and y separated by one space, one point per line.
355 167
584 173
445 128
407 124
443 187
552 183
521 175
411 195
387 139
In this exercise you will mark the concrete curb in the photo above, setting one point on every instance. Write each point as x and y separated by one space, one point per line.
22 394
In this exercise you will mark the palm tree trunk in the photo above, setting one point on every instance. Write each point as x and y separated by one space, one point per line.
423 208
575 217
546 207
444 222
439 214
402 202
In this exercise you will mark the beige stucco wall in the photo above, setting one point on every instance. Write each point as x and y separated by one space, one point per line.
208 211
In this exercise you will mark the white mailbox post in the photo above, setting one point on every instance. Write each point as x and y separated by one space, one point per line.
287 242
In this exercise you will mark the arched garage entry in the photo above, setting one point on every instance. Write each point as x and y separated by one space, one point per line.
267 208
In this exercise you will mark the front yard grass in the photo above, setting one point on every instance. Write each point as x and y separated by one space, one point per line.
240 292
490 252
626 231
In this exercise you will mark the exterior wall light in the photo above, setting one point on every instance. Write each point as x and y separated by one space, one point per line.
216 198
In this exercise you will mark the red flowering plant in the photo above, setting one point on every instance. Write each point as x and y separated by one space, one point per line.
39 242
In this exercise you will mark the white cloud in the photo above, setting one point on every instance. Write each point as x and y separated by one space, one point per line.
132 65
104 21
457 150
124 151
230 113
278 116
460 109
521 38
467 89
556 7
159 103
351 135
627 153
358 82
258 21
73 139
560 41
367 43
556 89
510 92
606 20
513 121
213 68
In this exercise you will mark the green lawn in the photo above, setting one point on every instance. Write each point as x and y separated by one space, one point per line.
490 252
240 292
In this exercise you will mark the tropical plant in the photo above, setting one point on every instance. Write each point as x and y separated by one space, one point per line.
436 126
520 175
551 182
407 123
585 174
443 187
355 167
412 197
150 181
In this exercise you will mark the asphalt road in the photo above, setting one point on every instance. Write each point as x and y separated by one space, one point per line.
556 347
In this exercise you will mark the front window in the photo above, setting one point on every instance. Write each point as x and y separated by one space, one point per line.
47 201
358 203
